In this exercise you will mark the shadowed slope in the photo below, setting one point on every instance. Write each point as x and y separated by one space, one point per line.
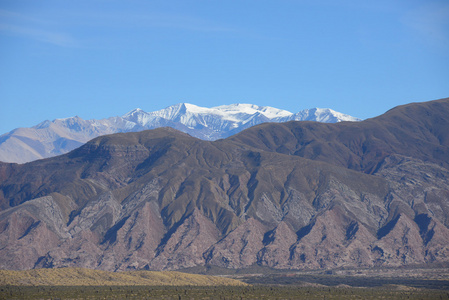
280 195
419 130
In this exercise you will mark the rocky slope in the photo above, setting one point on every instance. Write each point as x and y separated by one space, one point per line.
60 136
296 195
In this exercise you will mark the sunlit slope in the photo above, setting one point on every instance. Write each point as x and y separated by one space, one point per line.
88 277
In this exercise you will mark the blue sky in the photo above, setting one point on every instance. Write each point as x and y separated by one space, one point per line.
101 58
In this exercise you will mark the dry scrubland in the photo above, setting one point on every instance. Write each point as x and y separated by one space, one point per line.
77 283
215 292
87 277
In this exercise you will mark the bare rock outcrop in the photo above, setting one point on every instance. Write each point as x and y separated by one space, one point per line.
298 195
239 248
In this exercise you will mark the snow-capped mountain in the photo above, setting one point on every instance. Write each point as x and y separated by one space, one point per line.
324 115
51 138
226 120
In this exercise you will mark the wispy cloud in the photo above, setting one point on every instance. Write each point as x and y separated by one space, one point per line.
54 38
24 26
6 14
96 27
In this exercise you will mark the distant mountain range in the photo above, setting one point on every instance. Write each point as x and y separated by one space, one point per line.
51 138
292 195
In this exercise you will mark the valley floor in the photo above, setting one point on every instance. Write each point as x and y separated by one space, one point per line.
218 292
407 278
384 283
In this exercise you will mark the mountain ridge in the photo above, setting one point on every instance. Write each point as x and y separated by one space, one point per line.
51 138
284 196
402 127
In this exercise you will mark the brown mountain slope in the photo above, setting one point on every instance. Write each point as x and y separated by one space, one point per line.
163 200
419 130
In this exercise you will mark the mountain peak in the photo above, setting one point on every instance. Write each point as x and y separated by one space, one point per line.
62 135
132 113
252 109
288 196
187 108
323 115
42 125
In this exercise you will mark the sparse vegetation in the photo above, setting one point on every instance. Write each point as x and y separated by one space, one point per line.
213 292
350 281
76 283
87 277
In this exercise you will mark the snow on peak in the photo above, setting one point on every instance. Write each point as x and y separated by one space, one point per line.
251 109
325 115
225 118
74 118
42 125
201 122
196 109
138 116
132 113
